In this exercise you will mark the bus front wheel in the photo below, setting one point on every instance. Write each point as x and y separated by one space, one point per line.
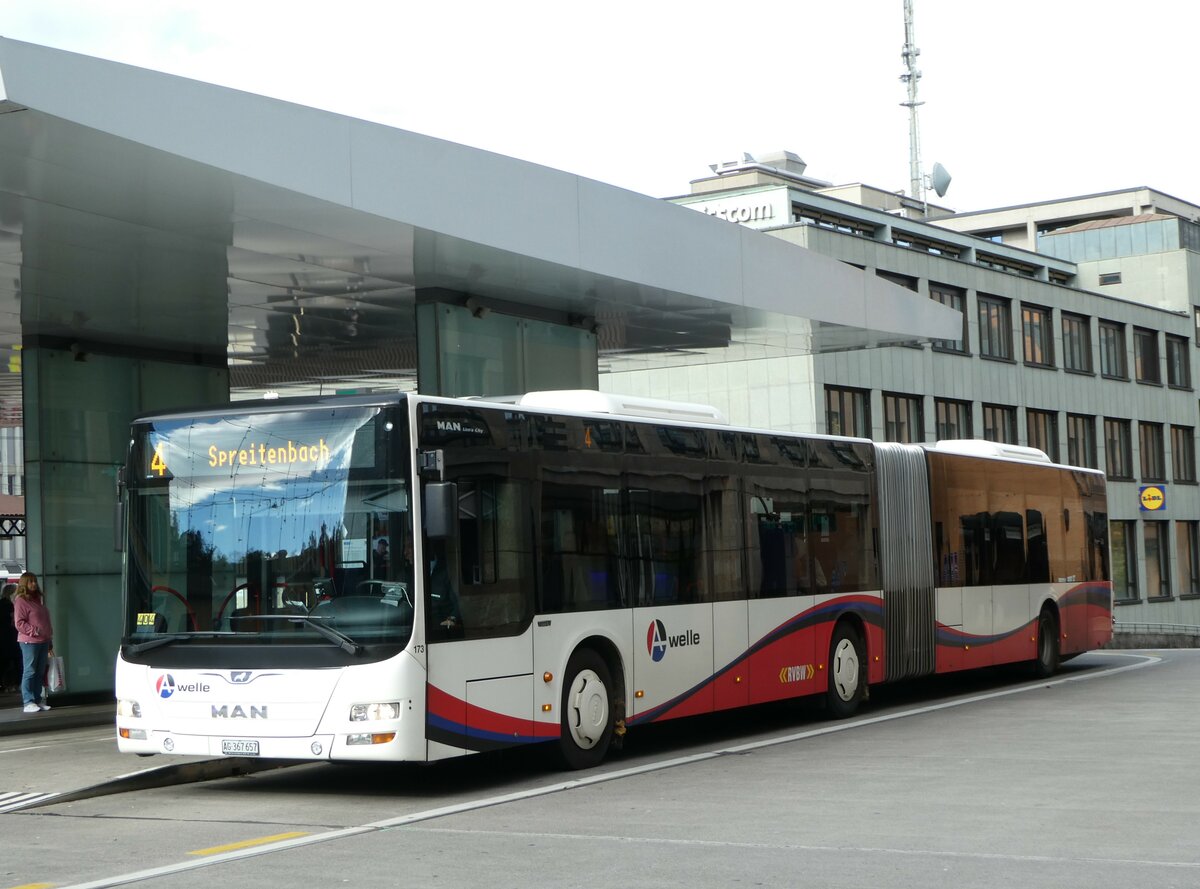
1048 657
587 710
847 672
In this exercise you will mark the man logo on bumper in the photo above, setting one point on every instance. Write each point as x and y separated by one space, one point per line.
237 711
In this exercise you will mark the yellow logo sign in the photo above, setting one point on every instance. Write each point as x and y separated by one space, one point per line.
1153 498
799 673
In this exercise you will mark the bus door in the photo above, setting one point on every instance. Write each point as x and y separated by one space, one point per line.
672 617
478 611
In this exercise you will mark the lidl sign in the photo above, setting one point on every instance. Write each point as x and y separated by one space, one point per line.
1153 498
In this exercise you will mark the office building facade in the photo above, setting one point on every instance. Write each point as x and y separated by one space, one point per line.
1048 356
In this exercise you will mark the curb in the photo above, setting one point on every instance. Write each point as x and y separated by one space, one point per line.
161 776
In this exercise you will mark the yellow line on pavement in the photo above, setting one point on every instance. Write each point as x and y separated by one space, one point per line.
246 844
33 886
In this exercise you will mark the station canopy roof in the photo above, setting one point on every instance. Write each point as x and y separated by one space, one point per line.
143 211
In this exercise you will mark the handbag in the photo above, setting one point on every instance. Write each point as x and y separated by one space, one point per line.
56 675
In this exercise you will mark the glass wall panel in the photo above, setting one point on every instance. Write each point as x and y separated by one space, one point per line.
903 419
1183 453
1124 561
1077 343
558 357
1158 561
1187 548
953 419
1043 431
78 407
1081 441
995 327
481 352
955 299
1112 350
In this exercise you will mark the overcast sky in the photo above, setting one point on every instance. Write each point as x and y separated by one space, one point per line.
1024 100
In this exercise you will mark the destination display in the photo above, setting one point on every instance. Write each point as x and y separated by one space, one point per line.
271 443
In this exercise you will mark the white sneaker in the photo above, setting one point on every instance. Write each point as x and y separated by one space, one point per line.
43 706
32 708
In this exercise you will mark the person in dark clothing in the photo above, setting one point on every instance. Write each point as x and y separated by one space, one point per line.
10 650
444 617
379 558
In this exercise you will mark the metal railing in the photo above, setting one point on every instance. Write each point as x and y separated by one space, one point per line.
1167 629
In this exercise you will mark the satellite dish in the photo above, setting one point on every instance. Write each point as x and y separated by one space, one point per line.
940 180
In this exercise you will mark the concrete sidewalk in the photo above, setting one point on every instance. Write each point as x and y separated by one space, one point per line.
66 712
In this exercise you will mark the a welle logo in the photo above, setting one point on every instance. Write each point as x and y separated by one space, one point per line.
167 686
657 640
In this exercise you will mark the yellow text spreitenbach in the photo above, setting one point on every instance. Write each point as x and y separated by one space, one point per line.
262 455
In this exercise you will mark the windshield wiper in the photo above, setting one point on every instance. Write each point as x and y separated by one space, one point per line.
337 637
160 641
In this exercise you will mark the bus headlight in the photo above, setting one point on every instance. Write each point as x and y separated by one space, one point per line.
129 708
371 712
366 739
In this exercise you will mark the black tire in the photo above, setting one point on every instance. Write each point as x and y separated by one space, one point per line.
588 716
1049 656
847 672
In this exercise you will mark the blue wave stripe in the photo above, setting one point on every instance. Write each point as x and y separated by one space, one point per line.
871 610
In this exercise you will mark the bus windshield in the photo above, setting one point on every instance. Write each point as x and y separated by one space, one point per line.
276 528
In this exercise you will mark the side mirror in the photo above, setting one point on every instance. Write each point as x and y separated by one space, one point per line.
441 510
119 527
119 513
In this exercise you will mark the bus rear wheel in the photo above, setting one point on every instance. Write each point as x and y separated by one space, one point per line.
587 711
1048 657
847 672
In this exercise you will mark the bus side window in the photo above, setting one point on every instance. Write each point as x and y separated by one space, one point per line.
579 554
489 592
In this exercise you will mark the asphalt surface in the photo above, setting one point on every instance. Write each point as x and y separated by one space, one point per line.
986 781
65 713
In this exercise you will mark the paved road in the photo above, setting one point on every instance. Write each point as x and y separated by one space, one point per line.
989 781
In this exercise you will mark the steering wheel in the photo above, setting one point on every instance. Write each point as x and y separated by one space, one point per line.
233 592
225 601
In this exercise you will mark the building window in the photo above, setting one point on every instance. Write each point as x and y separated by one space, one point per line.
953 419
1145 356
1183 453
1187 551
1081 441
1124 560
949 296
1150 443
903 419
908 283
1110 278
1112 350
1179 366
1043 431
1118 459
1037 336
995 327
1000 423
1158 561
847 412
1077 343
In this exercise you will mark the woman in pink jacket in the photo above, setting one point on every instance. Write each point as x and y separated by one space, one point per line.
36 635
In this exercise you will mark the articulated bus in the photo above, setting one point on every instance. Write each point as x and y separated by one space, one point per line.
414 578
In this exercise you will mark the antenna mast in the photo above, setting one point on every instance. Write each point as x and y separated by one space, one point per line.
909 56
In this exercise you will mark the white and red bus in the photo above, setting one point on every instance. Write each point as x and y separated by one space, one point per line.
416 578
